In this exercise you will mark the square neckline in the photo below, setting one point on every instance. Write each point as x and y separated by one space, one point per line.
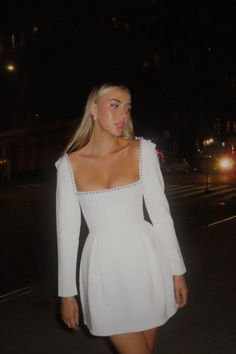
125 186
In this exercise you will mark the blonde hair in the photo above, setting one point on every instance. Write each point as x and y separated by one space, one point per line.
83 133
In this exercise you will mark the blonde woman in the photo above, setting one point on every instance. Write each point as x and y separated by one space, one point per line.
131 274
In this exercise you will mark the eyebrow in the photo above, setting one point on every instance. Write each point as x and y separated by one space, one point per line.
115 99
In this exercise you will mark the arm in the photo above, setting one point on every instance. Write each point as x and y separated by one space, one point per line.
158 208
68 217
159 212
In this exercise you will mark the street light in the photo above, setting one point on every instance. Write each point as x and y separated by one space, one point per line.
208 141
10 67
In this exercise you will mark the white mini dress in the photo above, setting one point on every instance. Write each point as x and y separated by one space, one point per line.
127 264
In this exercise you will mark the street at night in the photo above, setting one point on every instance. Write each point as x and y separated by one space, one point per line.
172 68
205 226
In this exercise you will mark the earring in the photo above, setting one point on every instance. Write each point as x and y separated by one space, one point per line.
94 117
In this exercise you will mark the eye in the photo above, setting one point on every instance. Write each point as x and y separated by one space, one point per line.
128 110
114 105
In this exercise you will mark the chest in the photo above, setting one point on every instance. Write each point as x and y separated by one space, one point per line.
105 173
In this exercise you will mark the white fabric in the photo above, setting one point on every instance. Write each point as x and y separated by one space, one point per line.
127 264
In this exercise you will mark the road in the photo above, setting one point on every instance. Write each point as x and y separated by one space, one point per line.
205 226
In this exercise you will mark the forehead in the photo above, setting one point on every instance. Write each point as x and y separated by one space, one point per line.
118 94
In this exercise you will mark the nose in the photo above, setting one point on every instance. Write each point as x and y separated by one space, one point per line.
124 112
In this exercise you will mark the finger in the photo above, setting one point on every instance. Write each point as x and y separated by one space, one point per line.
183 299
178 297
74 325
69 324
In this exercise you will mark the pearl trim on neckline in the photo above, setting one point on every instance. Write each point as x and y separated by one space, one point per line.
125 186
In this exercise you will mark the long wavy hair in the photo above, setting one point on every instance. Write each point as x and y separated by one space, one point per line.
83 132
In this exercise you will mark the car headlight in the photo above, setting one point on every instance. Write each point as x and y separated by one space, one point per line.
225 163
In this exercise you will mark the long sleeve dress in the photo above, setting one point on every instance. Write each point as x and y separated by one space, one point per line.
127 264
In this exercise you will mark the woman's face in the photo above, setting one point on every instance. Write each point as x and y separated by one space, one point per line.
113 111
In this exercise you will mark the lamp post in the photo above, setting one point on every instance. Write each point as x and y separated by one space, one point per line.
207 190
206 144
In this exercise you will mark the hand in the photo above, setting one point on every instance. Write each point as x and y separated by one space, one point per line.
70 312
181 290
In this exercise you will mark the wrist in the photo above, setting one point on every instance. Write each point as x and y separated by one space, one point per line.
181 276
67 299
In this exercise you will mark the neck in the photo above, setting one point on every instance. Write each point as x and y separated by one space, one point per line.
104 144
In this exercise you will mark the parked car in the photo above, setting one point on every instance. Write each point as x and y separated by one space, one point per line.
180 165
225 163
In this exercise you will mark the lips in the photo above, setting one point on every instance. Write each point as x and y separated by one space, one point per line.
120 125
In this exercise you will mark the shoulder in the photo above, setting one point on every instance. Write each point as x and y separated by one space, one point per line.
134 144
61 162
147 146
132 147
141 145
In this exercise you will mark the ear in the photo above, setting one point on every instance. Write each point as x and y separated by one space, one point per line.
93 109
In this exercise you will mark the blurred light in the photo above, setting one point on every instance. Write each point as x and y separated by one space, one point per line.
208 141
225 163
3 161
156 59
126 25
35 28
10 67
223 144
13 41
114 20
209 49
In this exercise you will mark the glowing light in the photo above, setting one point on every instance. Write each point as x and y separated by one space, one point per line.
225 163
11 67
208 141
35 28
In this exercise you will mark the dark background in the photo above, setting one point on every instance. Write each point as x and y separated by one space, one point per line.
177 57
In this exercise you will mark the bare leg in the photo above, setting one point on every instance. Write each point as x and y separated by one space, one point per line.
131 343
150 336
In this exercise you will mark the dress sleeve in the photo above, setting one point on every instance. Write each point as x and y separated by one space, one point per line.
158 208
68 218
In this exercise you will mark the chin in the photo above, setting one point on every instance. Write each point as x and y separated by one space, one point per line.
116 133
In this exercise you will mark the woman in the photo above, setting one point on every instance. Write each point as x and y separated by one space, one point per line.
131 274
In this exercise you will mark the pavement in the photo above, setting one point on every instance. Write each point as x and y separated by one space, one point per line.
30 320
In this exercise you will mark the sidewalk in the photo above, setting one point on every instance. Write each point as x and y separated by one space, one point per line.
28 320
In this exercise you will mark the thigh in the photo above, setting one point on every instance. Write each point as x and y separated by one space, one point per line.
130 343
150 336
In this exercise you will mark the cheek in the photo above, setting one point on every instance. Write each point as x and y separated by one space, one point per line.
106 113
